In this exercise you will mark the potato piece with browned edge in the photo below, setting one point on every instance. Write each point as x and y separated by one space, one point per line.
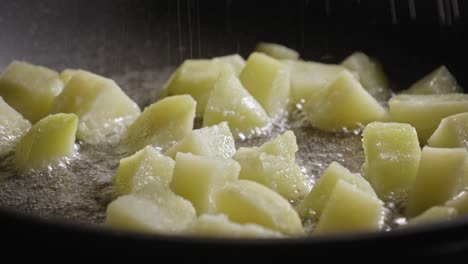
161 124
350 209
147 166
246 202
47 143
30 89
268 81
197 178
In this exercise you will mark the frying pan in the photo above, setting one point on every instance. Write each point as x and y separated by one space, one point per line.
410 38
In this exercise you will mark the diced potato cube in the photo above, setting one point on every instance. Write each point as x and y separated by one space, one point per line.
452 132
439 81
267 80
392 158
67 74
213 141
344 104
161 124
246 201
103 108
318 198
236 62
438 175
47 143
459 202
159 211
147 166
30 89
308 78
371 74
273 165
221 226
425 112
434 214
196 78
350 209
277 51
12 127
197 178
230 101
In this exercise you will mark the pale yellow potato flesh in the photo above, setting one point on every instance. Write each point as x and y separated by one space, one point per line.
247 202
47 143
318 198
230 101
268 81
30 89
371 74
67 74
350 209
426 111
439 81
12 127
198 178
440 172
308 78
344 105
196 78
274 165
212 141
235 61
155 210
452 132
145 167
459 202
392 158
161 124
220 226
434 214
103 108
277 51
